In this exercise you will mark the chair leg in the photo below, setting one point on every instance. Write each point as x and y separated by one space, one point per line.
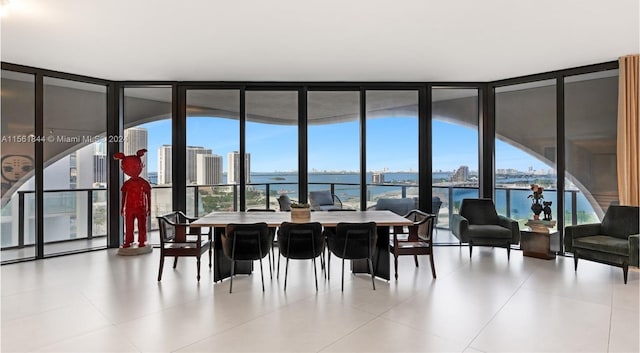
343 275
198 266
433 266
175 262
261 275
233 264
315 274
415 259
328 265
395 264
286 273
161 266
270 268
470 249
508 251
575 261
278 271
373 282
210 254
233 269
625 271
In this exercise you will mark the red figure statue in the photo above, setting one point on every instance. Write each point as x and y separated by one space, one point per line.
136 197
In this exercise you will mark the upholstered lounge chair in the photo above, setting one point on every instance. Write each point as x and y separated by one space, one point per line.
479 224
612 242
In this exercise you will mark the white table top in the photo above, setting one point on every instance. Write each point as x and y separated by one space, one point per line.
327 219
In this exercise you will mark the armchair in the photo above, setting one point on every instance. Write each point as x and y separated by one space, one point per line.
613 242
324 200
478 223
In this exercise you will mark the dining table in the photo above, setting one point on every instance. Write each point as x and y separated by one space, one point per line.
384 220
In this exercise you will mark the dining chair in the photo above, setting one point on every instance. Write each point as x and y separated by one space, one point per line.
352 241
246 242
274 241
178 238
300 241
418 242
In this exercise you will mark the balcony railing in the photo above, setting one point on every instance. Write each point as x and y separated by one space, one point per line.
71 207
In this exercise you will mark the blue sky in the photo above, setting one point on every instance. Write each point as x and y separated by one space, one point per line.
391 144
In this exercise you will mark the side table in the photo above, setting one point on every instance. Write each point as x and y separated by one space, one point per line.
539 243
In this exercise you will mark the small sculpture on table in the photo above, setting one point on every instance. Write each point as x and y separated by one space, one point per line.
547 210
136 203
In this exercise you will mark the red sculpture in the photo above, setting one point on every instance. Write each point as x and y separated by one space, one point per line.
136 197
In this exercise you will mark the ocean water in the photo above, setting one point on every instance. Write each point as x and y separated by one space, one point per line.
348 189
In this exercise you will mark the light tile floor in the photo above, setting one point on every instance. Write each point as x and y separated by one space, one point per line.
101 302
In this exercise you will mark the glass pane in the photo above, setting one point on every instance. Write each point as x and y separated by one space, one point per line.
18 127
591 108
455 153
334 144
75 118
213 142
271 130
392 145
147 125
525 148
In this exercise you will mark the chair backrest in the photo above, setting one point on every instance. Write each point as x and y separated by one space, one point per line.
321 198
398 206
479 211
436 203
423 228
244 242
353 240
284 202
621 221
300 240
167 228
171 227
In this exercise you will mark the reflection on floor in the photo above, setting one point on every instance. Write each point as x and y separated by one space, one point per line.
441 236
99 302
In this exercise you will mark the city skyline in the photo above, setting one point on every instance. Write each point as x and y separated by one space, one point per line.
448 153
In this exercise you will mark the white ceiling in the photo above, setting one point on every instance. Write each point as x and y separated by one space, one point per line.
328 40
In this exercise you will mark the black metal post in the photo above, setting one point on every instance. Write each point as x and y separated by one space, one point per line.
89 214
20 219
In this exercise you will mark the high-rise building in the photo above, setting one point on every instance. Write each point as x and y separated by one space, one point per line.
192 152
165 165
135 139
233 167
377 178
209 169
462 174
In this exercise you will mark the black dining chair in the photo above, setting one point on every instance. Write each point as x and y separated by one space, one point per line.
352 241
300 241
246 242
274 241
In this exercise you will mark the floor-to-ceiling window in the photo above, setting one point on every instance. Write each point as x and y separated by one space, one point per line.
213 146
147 125
334 144
591 106
18 154
74 165
454 152
271 159
525 152
392 145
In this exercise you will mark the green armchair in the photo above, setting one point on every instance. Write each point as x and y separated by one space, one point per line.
613 242
479 224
